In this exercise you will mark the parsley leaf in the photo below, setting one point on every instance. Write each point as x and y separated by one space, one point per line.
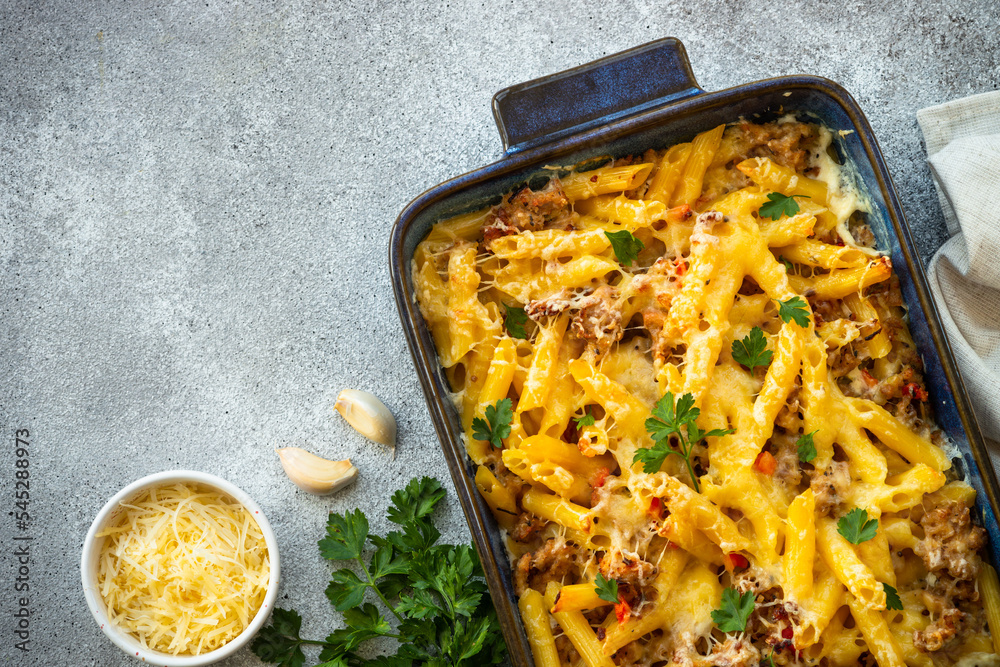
778 205
386 564
794 309
411 508
856 527
668 417
420 604
381 661
735 611
789 268
625 245
469 639
892 600
652 458
435 592
586 420
279 642
752 350
606 589
806 447
416 501
336 662
514 319
499 417
346 590
695 434
345 536
362 624
448 573
667 420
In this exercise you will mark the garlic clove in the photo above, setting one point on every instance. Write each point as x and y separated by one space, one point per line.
368 416
315 474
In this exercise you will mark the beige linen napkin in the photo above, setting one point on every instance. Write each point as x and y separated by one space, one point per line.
963 148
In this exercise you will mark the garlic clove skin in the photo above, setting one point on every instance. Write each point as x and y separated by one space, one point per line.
315 474
368 416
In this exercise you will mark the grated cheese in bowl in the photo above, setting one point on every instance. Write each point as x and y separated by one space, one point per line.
184 568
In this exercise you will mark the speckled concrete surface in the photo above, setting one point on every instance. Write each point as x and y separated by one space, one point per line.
195 205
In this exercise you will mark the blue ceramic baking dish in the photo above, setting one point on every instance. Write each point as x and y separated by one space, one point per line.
643 98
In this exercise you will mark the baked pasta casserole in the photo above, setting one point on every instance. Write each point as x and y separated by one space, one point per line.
688 388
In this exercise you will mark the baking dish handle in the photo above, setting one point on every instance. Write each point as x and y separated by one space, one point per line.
627 83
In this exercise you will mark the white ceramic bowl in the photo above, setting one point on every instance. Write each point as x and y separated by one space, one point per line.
93 545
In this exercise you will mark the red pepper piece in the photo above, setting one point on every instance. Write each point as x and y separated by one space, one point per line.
765 463
656 508
914 390
736 562
622 609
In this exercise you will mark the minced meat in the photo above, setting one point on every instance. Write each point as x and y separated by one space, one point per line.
951 541
933 638
556 560
527 210
598 318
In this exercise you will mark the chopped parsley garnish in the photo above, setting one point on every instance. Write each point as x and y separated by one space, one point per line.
778 205
586 420
606 589
806 447
674 419
496 426
856 527
752 350
514 320
625 245
735 611
892 600
794 309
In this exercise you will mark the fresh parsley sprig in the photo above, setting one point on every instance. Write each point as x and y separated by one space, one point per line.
586 420
856 527
806 447
496 426
751 350
607 589
778 205
794 309
514 319
435 592
677 419
625 245
735 611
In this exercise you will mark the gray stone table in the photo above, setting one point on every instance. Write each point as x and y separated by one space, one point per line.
195 205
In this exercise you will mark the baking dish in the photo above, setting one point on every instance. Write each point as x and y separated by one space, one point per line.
647 97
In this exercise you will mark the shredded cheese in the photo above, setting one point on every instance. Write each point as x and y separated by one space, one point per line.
184 569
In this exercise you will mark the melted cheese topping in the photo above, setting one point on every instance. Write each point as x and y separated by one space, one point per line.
184 569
